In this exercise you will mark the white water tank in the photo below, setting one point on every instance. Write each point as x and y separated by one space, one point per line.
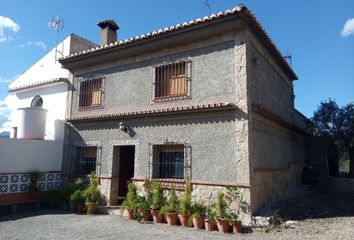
32 122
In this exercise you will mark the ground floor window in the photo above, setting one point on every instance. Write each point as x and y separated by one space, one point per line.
168 161
84 161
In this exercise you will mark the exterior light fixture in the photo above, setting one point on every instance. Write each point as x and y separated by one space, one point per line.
122 127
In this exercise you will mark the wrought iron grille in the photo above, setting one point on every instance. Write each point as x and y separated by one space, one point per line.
171 80
84 161
168 161
90 93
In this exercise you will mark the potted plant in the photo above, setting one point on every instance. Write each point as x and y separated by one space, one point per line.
170 210
233 195
185 205
198 215
33 191
92 194
34 176
221 217
78 185
144 208
158 202
209 221
131 202
78 199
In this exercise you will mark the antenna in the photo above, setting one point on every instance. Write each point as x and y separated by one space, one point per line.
57 24
208 4
289 58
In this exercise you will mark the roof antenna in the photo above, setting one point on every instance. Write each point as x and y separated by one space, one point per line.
57 24
208 4
289 58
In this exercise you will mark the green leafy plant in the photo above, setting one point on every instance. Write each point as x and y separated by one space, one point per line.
159 199
220 207
78 197
172 203
92 193
198 209
143 204
148 188
79 184
34 176
185 204
211 213
233 194
131 201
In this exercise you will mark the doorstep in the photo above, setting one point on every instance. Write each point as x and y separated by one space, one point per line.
109 210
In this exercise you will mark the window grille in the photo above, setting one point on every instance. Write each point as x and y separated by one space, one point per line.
84 161
90 93
171 80
168 161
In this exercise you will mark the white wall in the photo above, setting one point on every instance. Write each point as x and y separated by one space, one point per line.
23 155
54 100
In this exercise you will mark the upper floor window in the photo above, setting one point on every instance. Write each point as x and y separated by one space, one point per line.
90 94
171 80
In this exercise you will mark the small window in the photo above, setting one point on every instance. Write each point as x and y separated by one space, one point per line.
171 80
90 94
168 161
84 161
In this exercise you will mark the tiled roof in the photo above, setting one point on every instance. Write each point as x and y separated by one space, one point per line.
37 84
239 10
195 108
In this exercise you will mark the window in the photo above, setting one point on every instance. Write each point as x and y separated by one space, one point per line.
84 161
171 80
168 161
90 93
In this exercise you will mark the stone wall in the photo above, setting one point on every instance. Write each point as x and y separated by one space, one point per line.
272 185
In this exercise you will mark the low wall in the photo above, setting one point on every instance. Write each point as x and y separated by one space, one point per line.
24 155
270 185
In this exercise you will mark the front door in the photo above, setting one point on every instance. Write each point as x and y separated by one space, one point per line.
126 169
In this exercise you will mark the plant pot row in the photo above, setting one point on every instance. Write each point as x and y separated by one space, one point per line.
222 224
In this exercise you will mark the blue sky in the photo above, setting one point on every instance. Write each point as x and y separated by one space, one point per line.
310 30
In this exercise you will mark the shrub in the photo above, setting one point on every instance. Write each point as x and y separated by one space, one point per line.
221 205
185 205
131 201
198 209
159 199
92 193
172 203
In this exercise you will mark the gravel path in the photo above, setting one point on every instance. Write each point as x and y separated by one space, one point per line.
317 215
46 224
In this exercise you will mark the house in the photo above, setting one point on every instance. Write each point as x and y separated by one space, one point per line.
211 100
46 83
38 125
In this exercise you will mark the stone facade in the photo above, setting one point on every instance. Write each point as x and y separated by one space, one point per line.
229 64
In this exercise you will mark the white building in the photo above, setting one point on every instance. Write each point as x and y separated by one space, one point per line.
49 81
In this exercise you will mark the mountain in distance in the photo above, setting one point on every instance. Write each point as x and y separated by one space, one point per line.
5 134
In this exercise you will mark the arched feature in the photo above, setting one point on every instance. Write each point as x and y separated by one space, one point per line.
37 101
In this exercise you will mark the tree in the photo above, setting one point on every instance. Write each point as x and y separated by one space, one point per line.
335 126
326 125
346 133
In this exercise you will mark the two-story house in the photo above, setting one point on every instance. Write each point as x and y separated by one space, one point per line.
210 99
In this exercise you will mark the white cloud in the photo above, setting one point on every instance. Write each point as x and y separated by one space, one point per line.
38 44
7 107
348 28
7 24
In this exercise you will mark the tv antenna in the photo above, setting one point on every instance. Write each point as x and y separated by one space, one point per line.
208 4
289 58
57 24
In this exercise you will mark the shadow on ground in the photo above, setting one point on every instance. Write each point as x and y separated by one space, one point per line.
315 203
32 213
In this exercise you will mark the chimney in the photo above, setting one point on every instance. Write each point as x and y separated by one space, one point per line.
108 33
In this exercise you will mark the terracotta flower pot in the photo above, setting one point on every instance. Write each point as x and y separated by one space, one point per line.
209 226
171 218
146 214
157 216
184 219
91 208
80 207
130 214
223 225
237 227
198 222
